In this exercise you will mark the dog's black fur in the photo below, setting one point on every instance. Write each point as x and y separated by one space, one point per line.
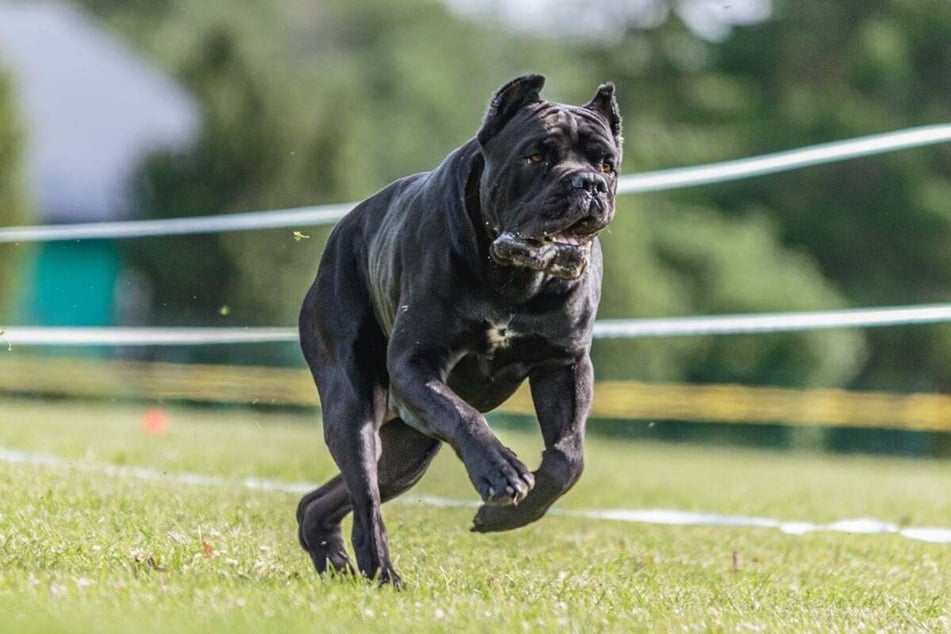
438 296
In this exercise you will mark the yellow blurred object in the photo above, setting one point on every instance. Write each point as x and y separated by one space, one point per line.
613 399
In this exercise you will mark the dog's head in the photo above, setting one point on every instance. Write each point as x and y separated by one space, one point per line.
547 187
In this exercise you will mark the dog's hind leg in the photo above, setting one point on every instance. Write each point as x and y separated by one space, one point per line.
405 456
318 526
353 440
407 453
346 351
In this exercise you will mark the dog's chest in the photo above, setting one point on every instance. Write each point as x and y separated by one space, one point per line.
499 336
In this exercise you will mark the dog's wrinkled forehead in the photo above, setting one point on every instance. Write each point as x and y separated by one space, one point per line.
560 132
571 125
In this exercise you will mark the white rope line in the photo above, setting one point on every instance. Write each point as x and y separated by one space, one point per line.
275 219
41 336
668 517
785 161
772 322
605 329
634 183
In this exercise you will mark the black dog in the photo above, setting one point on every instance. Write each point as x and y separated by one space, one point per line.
438 296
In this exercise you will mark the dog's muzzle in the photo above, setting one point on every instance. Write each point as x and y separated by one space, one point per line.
563 255
561 251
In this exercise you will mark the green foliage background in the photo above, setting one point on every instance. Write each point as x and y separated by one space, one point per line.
13 200
309 102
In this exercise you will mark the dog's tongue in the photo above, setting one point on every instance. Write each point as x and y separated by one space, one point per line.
558 257
566 239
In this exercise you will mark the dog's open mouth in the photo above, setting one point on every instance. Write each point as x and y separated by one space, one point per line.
564 255
563 239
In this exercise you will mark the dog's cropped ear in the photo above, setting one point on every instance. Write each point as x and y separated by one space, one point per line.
510 98
605 104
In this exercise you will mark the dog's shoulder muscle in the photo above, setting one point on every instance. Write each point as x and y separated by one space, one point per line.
410 229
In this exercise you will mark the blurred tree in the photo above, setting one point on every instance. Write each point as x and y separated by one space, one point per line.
679 259
239 155
690 257
13 203
878 229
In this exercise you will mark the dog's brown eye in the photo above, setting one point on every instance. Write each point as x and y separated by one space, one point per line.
534 158
607 168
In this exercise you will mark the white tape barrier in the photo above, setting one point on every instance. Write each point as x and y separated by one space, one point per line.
40 336
635 183
772 322
863 526
276 219
785 161
605 329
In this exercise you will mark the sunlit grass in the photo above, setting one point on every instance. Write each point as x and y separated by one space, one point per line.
84 551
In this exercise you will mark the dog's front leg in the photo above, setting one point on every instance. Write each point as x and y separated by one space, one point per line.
562 401
419 393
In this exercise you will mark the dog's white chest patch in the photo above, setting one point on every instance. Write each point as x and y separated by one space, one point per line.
499 337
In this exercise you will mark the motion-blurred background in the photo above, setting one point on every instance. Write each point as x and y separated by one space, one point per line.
128 109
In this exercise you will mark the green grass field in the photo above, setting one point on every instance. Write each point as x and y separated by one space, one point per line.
85 549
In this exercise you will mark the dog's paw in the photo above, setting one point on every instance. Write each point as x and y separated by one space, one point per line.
326 549
388 577
330 555
491 519
503 479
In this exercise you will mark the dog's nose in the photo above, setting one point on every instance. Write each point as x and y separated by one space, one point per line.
590 182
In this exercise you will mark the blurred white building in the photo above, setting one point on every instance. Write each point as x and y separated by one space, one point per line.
92 107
